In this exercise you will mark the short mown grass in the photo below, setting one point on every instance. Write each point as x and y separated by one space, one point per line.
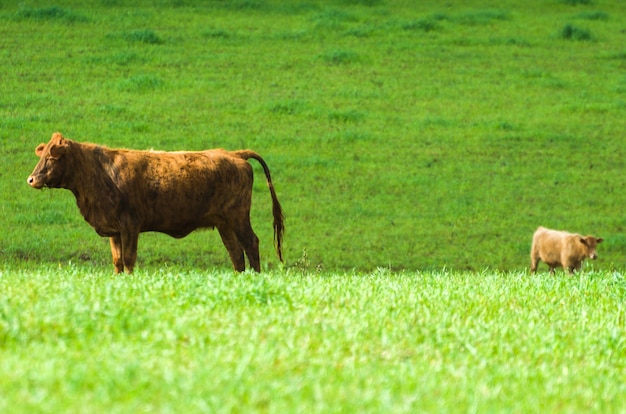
402 136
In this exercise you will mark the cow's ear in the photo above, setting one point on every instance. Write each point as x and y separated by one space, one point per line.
583 241
57 151
39 149
599 240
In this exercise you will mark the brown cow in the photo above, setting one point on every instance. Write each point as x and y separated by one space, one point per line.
122 193
560 248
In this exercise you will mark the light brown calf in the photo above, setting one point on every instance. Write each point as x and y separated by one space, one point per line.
560 248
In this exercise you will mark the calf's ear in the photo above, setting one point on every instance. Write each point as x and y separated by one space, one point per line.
39 149
583 241
599 240
57 151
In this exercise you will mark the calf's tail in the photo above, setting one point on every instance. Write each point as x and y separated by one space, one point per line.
277 211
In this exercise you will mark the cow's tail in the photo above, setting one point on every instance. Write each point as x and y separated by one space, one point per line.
277 211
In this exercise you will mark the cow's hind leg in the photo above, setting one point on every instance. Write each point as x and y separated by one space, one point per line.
235 251
534 262
250 243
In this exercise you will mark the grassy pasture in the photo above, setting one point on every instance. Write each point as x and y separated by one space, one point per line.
414 147
400 135
166 340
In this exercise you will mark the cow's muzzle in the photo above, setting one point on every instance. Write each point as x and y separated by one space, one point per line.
33 182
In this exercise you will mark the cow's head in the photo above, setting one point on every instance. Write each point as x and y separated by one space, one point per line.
51 168
590 243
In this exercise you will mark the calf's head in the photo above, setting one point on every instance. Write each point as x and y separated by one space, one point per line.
590 244
51 168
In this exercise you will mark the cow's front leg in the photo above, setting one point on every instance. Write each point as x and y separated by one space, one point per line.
575 268
129 250
116 252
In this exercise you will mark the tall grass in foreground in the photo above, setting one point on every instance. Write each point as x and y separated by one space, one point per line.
77 340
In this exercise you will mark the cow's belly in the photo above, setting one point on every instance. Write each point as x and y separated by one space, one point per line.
180 226
551 259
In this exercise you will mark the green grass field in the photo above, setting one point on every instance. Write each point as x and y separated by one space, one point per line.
402 136
414 146
165 340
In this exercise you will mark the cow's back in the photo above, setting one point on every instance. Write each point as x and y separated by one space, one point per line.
177 192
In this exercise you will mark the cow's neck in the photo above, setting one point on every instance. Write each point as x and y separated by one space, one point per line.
97 195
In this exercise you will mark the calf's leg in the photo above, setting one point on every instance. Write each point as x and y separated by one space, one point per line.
575 267
534 262
535 256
